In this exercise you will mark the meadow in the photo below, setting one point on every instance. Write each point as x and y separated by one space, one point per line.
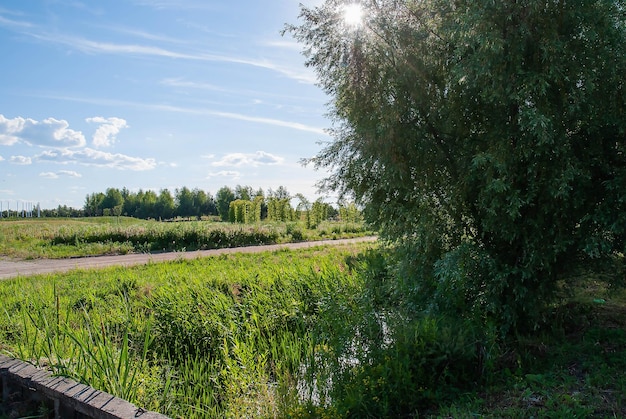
75 237
317 333
225 336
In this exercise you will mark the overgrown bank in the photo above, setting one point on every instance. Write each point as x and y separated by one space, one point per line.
322 333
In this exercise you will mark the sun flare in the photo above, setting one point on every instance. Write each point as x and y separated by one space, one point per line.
353 14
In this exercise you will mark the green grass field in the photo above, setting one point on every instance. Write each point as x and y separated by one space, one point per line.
73 237
322 332
217 336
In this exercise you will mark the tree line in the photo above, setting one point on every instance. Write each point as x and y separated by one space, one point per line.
242 204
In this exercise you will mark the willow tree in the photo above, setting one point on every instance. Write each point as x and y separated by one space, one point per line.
485 137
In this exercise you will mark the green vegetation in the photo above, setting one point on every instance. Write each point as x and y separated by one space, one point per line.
487 139
487 143
239 205
225 335
60 238
327 332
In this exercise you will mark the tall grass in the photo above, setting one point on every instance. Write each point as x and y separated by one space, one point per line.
73 343
220 337
327 332
44 238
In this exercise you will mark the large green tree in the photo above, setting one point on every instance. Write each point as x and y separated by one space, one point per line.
486 137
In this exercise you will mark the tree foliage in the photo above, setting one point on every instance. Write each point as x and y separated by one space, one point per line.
223 198
487 138
242 205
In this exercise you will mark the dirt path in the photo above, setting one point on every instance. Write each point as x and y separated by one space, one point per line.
12 269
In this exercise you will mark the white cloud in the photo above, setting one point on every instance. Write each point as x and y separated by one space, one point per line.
230 174
14 23
176 4
1 158
284 44
299 73
195 111
106 133
178 82
69 173
49 175
251 159
49 132
21 160
91 157
141 34
242 117
8 129
56 175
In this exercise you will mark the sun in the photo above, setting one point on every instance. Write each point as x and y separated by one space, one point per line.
353 14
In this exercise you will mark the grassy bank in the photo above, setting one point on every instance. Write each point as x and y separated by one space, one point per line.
66 237
206 338
327 332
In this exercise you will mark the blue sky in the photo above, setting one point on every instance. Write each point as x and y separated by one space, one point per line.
153 94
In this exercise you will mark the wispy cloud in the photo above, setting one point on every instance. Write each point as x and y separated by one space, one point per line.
94 47
88 46
56 175
195 111
283 44
250 160
143 34
242 117
49 175
16 24
50 132
176 4
178 82
229 174
106 133
91 157
21 160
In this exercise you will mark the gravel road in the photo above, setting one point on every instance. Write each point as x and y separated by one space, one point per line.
12 269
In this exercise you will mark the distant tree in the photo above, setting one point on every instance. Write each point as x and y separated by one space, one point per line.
280 193
245 193
303 209
165 205
279 209
93 204
259 197
349 212
185 206
203 203
223 198
112 198
131 203
125 192
207 204
147 205
318 213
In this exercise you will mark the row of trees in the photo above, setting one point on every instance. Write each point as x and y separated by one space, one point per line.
241 204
